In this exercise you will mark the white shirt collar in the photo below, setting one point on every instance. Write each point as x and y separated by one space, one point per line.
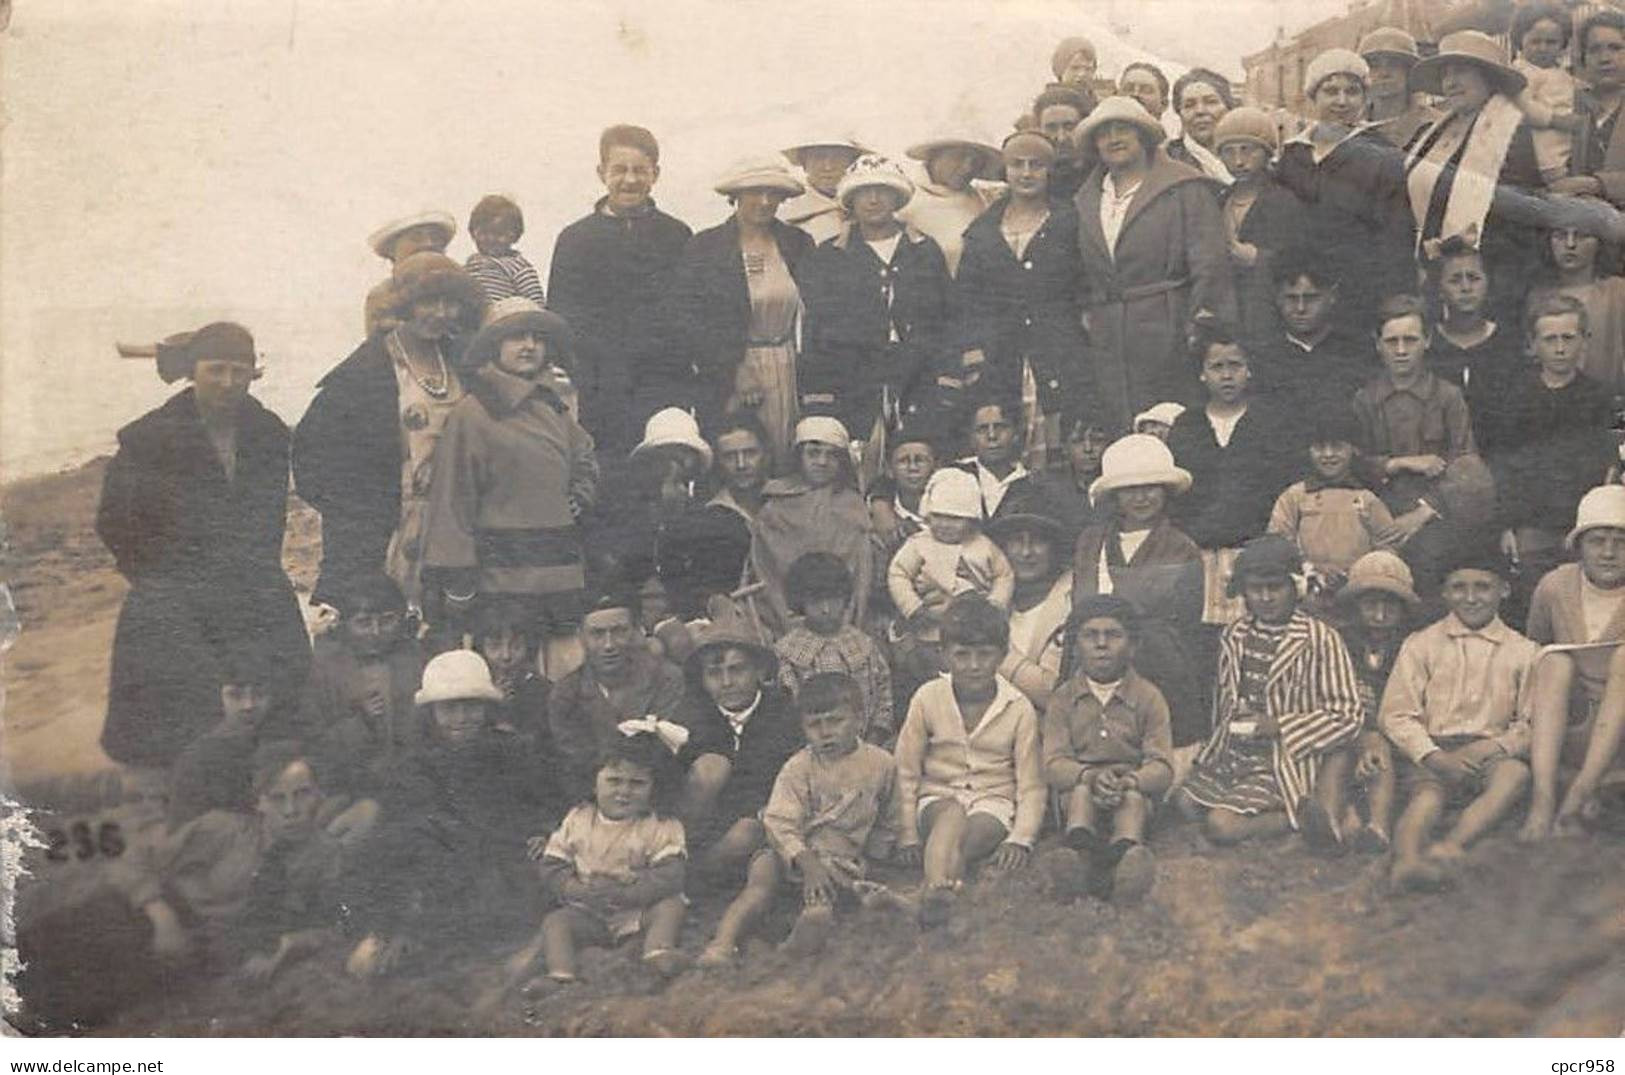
738 720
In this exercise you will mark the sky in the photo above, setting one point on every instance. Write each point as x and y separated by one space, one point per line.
168 162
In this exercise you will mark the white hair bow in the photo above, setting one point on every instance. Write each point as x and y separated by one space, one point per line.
675 736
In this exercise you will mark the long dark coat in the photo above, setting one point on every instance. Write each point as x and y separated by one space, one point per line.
1014 308
1235 486
347 465
848 358
1275 222
1170 263
1164 583
204 560
708 306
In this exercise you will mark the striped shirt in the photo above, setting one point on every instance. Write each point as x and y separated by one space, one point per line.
503 276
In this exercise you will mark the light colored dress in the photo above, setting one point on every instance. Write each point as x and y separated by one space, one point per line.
424 410
769 365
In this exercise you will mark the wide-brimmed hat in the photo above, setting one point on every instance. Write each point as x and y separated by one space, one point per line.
513 315
673 426
1602 506
952 491
1165 413
1030 512
1137 459
873 170
834 141
990 160
425 274
1468 46
381 239
1381 570
1390 43
1121 110
1335 62
822 429
759 173
729 626
1270 556
457 675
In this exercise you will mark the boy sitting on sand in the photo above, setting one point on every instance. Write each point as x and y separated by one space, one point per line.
1107 740
833 808
1453 708
970 778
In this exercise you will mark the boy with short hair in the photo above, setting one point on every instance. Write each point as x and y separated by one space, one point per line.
970 777
1332 515
1577 706
819 587
832 809
1107 745
1454 707
1311 361
502 272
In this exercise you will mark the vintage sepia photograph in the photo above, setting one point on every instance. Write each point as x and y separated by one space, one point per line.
857 519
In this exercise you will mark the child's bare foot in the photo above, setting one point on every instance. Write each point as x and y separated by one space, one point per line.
1539 824
1418 875
935 906
717 955
811 931
1445 851
1319 830
1370 839
543 984
1136 872
667 962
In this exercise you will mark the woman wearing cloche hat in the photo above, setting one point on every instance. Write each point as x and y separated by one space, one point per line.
1153 256
736 297
872 350
1136 553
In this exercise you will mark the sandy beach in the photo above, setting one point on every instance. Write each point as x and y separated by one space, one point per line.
1259 941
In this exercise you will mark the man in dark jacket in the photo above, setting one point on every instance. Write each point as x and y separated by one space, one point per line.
610 272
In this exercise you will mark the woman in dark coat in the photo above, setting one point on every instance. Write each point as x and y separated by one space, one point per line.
1017 294
1352 185
1167 262
735 301
877 325
193 508
361 435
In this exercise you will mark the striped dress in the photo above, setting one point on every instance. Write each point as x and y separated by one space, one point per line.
503 276
1299 673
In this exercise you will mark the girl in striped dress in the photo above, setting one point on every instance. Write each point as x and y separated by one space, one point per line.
1287 696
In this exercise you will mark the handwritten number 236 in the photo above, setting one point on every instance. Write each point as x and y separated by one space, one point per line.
78 841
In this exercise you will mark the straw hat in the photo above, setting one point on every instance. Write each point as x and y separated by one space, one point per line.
1166 413
1335 62
822 429
759 173
1474 47
728 626
381 239
1602 506
1137 459
952 491
1381 570
1389 43
873 170
1121 110
511 316
988 166
457 675
840 141
673 426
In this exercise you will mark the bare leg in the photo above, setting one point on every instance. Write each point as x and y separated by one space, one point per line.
1226 827
1380 795
1502 790
983 835
706 778
1130 817
1331 786
1602 748
662 924
1420 816
1081 832
736 846
757 896
1549 720
561 931
943 823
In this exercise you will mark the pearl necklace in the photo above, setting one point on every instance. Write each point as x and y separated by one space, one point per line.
440 391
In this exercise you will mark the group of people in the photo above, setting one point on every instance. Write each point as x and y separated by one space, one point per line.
1073 485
